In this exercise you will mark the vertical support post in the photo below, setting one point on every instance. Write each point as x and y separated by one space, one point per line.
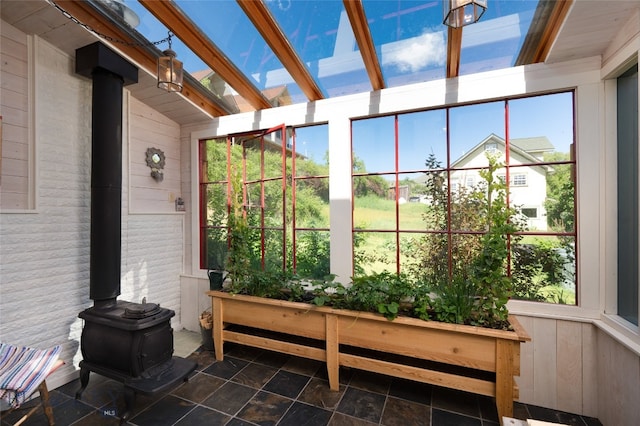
504 377
332 347
218 343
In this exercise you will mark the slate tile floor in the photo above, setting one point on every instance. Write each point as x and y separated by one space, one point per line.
256 387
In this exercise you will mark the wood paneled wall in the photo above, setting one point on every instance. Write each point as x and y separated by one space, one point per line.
15 144
150 129
574 367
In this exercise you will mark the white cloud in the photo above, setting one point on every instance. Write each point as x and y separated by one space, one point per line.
417 53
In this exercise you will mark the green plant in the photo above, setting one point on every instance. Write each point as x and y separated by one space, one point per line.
474 287
454 301
239 256
312 258
382 292
326 291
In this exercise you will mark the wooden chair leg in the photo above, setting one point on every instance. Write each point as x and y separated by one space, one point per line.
44 402
26 416
46 406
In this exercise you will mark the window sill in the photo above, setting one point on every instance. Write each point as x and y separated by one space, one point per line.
623 332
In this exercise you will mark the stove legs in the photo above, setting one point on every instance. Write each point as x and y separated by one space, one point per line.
129 394
161 377
84 381
130 400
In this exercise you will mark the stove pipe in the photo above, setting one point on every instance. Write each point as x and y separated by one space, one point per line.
110 73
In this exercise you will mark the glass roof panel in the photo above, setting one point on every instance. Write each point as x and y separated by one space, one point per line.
227 26
321 34
495 41
153 30
410 39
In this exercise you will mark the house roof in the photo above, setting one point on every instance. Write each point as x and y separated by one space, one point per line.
524 147
533 144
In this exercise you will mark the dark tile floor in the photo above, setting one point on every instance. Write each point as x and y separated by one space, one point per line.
256 387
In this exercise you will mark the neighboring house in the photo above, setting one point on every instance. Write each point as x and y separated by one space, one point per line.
527 184
277 96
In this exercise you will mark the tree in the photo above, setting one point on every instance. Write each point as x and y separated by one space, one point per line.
560 194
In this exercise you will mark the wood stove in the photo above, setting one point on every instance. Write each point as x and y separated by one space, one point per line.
125 341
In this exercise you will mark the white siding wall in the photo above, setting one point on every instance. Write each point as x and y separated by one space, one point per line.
16 190
45 253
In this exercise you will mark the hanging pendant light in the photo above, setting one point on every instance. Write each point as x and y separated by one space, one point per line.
169 70
458 13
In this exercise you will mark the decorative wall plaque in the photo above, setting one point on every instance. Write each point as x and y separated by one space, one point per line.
155 160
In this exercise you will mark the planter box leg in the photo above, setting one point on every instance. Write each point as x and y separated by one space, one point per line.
218 343
332 351
504 378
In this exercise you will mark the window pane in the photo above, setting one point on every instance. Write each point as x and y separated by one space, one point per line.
253 203
559 205
470 126
251 160
628 209
214 167
373 143
216 246
273 250
464 249
424 257
216 204
420 135
541 125
543 269
312 203
374 203
411 214
273 204
468 203
374 252
312 254
312 146
273 154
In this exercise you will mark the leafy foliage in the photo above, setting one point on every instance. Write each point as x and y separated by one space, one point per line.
560 195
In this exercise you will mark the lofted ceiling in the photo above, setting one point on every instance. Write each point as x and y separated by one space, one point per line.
308 50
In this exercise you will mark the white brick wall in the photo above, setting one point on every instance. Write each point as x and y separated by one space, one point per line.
44 255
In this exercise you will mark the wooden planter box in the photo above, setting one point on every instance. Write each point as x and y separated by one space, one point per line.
481 350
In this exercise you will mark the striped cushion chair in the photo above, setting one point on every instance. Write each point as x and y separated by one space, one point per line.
23 370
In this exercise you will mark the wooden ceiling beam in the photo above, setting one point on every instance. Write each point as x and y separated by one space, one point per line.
362 32
558 14
87 14
194 38
547 21
271 32
454 46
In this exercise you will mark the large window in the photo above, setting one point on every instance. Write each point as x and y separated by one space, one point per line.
277 180
628 283
417 178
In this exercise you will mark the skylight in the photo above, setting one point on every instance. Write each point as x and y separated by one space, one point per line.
409 39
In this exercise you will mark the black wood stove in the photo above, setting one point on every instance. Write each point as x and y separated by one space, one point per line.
125 341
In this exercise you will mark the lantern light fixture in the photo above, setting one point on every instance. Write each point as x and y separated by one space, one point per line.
458 13
169 70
